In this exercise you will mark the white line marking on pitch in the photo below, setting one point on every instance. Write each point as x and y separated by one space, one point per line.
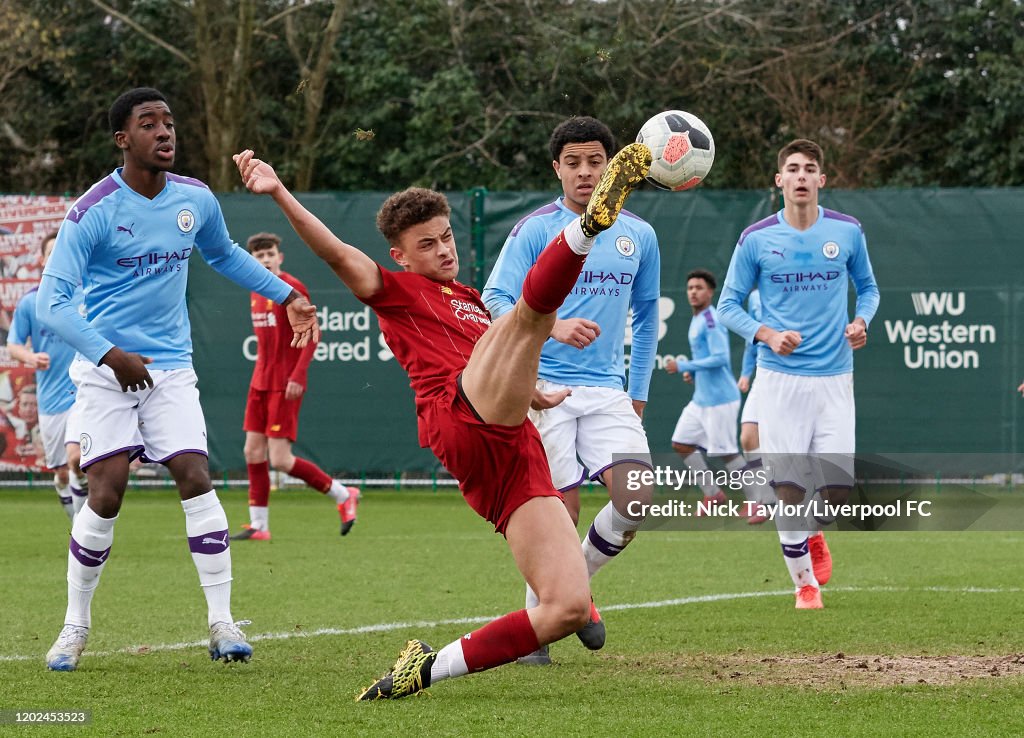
423 624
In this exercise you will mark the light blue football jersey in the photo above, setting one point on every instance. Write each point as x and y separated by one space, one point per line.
621 273
131 255
711 361
54 389
803 277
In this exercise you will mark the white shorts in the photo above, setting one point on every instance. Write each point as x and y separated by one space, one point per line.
73 427
710 428
583 433
53 429
808 428
750 409
156 424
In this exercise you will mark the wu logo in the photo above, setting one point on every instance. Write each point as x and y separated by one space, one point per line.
938 303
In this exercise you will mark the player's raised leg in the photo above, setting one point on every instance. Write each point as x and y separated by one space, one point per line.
501 375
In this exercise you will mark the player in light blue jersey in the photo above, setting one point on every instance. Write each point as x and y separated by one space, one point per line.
587 422
802 259
707 424
127 241
36 346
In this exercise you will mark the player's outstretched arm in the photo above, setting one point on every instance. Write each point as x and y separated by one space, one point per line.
358 271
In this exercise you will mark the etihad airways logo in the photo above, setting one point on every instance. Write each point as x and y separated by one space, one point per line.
155 262
805 277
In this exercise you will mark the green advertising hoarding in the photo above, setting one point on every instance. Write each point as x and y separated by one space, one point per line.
937 376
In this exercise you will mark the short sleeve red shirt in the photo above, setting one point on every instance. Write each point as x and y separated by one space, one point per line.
430 327
276 361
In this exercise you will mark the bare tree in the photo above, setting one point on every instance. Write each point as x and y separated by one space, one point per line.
221 56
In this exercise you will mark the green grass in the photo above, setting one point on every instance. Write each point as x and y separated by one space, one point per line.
695 668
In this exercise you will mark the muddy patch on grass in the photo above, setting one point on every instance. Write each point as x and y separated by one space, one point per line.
841 670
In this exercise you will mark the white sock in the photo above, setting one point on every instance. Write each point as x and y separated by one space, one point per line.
206 526
793 537
701 472
450 662
89 549
259 517
579 242
338 492
609 534
67 501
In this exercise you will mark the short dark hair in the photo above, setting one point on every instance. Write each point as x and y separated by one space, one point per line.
581 129
409 208
802 146
704 274
262 242
123 106
52 235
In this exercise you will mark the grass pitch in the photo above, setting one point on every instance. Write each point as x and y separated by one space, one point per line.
921 634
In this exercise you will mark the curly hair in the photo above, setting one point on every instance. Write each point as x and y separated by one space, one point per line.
581 129
409 208
708 277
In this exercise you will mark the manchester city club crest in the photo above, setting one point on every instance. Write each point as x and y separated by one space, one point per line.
186 221
625 246
830 249
86 443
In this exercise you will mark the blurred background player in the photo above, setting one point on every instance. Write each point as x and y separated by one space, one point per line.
707 424
275 397
128 240
474 382
36 346
582 363
802 260
750 442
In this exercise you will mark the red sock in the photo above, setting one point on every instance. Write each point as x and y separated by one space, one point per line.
551 279
311 474
259 484
499 642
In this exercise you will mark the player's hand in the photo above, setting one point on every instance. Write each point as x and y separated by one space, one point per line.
129 369
856 334
293 391
578 332
546 400
40 361
688 377
784 342
258 176
638 407
743 384
671 366
1021 388
302 317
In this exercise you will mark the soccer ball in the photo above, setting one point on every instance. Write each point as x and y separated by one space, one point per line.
682 147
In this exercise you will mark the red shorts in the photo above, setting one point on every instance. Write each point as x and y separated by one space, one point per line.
499 467
267 412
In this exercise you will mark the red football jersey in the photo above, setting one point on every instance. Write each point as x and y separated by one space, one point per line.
277 362
431 327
